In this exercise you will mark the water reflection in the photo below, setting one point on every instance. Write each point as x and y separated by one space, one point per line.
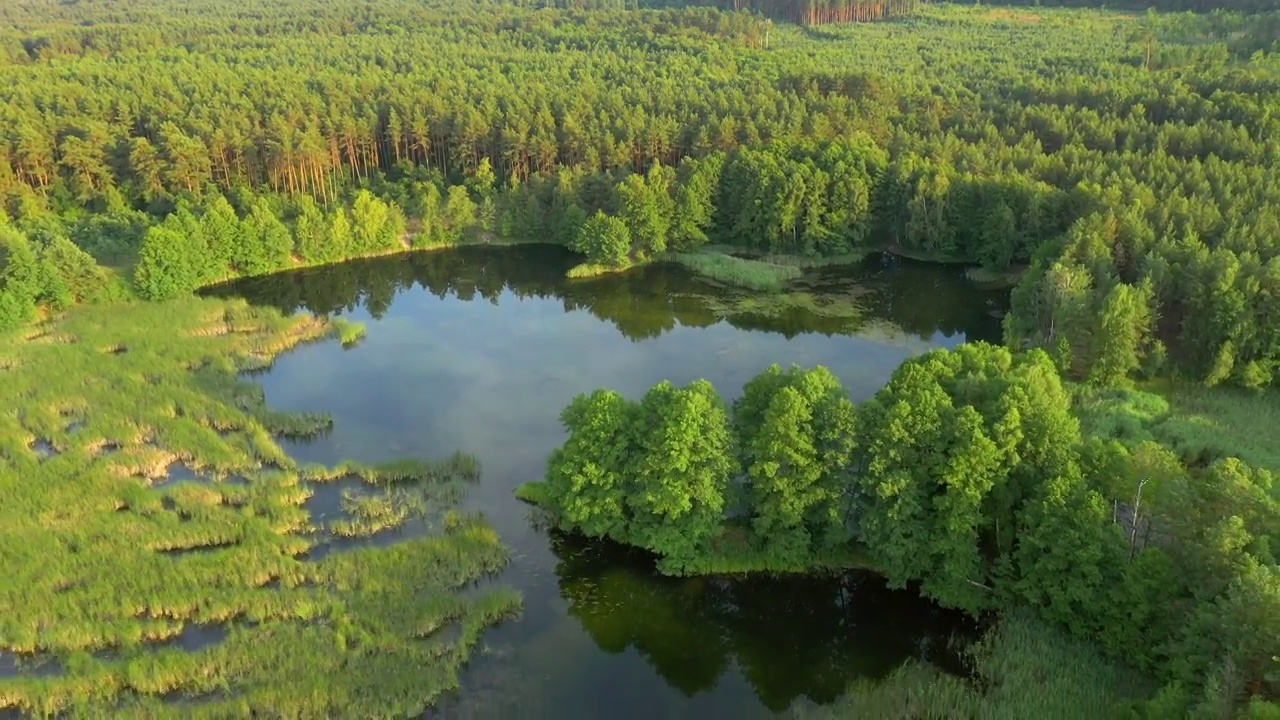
692 630
892 294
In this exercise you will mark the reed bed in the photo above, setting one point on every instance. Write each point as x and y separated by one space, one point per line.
590 270
749 274
110 565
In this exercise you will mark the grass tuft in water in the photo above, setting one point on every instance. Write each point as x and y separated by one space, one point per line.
590 270
757 275
349 332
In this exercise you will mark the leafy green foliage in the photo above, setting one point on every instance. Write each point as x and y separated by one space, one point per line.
680 471
19 279
1128 163
1138 204
587 476
968 475
796 431
757 275
652 473
605 240
1022 667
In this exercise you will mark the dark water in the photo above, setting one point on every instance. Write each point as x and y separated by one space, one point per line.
479 349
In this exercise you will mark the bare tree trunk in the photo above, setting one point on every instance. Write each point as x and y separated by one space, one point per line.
1137 504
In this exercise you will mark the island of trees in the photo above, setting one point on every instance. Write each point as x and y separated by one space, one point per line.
1119 168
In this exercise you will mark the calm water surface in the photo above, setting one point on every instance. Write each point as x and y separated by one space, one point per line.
479 349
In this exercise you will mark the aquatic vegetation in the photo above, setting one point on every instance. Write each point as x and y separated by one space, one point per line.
349 332
371 514
459 466
154 535
995 278
803 262
758 275
590 270
829 313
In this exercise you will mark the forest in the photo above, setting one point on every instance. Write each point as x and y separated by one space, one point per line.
1118 168
1124 168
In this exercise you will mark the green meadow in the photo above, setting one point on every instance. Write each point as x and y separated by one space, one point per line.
158 552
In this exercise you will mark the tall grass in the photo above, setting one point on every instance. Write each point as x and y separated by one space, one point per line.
590 270
803 262
758 275
104 565
1201 424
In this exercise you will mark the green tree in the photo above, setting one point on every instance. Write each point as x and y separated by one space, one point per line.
569 224
341 239
267 243
647 210
681 469
588 476
224 234
693 206
1124 322
427 205
147 168
459 213
1067 555
952 450
168 263
796 432
604 239
311 233
70 275
19 278
369 217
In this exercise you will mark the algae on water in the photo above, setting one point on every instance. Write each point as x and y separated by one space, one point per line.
147 502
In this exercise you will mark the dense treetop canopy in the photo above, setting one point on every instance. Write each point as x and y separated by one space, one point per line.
1129 160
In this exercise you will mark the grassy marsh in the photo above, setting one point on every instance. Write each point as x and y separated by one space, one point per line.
146 498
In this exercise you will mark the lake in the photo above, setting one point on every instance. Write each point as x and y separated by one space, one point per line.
478 349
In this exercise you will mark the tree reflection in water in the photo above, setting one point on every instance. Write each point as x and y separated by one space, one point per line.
892 295
792 636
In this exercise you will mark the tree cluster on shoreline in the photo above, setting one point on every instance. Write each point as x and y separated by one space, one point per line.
967 474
